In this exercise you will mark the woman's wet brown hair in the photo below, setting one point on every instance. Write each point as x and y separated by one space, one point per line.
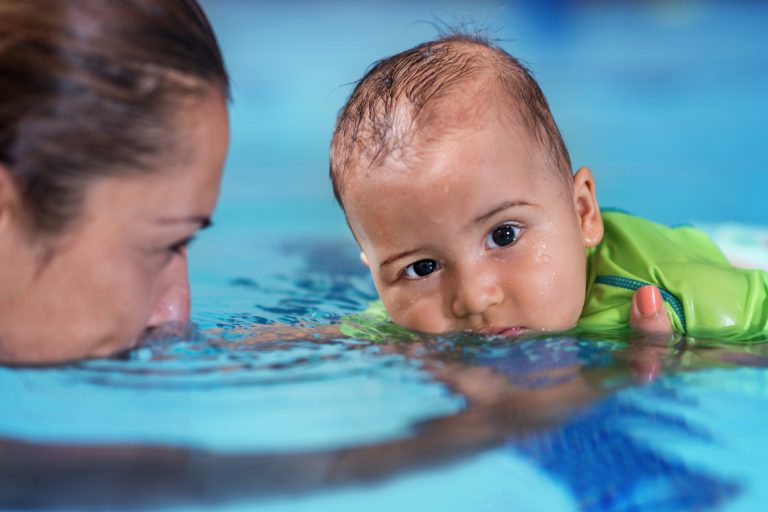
92 88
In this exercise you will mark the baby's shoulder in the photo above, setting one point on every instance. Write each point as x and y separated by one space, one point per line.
633 240
704 293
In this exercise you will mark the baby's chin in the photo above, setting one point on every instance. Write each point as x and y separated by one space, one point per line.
499 330
508 331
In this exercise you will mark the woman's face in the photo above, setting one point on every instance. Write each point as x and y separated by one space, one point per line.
121 267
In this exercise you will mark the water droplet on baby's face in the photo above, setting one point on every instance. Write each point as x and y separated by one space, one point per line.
542 254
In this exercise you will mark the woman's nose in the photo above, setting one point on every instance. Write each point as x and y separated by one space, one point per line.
476 293
173 301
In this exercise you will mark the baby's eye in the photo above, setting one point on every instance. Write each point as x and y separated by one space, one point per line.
502 236
420 269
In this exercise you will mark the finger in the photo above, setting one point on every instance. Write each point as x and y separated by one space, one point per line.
647 312
648 317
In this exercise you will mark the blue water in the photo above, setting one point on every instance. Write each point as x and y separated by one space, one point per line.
665 102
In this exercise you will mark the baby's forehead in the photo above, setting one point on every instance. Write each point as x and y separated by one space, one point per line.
452 153
454 124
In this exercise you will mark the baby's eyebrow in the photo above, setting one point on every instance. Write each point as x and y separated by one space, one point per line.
501 207
397 256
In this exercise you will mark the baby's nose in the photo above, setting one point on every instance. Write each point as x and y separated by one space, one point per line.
475 295
173 302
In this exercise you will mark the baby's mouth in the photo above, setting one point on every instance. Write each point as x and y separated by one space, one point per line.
510 332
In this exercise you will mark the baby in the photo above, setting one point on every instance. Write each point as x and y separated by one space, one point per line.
458 187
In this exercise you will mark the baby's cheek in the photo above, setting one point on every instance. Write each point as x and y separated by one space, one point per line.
552 290
419 313
562 296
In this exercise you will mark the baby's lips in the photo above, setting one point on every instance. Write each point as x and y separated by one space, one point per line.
509 332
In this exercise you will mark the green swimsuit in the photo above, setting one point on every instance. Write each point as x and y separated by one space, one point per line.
704 295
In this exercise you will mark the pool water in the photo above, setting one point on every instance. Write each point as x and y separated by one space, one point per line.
264 407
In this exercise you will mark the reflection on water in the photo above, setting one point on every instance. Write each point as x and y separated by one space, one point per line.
551 400
608 469
274 401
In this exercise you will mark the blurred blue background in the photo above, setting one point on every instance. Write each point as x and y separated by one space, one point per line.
665 101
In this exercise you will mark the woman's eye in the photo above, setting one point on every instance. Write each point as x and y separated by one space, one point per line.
420 269
502 236
179 246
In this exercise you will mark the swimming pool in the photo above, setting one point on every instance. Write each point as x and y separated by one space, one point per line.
666 102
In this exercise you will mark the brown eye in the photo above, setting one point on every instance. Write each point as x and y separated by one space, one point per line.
420 269
503 235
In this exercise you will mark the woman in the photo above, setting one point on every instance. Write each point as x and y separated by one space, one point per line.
113 134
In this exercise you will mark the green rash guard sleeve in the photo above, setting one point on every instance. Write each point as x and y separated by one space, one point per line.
704 295
373 324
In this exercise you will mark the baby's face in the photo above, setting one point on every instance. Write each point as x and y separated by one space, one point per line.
478 233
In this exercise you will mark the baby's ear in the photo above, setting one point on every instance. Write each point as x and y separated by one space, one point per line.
364 259
587 209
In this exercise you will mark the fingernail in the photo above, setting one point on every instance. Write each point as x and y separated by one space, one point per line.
649 300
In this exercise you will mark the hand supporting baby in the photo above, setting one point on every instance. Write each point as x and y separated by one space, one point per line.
647 313
649 318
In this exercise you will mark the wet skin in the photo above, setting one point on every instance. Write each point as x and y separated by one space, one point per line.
476 232
121 268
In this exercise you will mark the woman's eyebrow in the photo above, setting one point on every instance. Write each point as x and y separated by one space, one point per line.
203 220
501 207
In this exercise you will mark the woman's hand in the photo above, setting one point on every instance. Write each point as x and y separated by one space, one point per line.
649 318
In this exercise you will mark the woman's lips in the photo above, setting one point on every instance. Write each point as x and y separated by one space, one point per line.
504 331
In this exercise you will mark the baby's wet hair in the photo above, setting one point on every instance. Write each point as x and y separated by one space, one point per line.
396 97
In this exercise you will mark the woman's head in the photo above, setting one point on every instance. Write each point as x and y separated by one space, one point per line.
113 132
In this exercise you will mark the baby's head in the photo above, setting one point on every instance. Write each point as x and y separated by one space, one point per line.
458 187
